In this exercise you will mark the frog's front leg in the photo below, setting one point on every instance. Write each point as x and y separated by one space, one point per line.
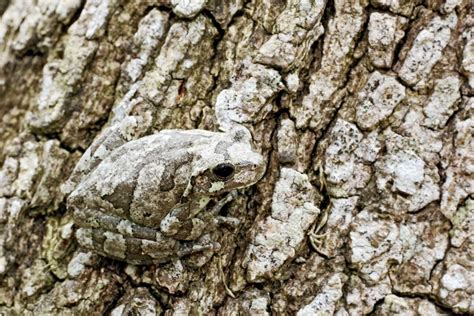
225 220
181 222
184 223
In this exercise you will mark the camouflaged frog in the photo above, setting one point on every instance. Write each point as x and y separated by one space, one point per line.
154 198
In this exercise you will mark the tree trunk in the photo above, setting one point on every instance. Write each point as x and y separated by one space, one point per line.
363 111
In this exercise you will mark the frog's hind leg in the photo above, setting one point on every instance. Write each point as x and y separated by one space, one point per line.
124 248
139 251
96 219
104 243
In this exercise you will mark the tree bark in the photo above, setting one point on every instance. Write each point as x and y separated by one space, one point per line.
362 109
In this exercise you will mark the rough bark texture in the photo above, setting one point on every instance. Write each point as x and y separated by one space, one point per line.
364 110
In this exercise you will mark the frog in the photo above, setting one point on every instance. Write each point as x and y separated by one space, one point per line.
158 197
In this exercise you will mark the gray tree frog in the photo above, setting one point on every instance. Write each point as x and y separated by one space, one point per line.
155 198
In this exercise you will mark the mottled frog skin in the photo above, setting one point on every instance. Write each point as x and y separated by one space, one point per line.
154 198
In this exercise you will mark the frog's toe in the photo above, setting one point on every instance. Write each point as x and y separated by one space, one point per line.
189 249
233 222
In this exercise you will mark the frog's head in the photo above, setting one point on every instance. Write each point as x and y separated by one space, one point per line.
228 162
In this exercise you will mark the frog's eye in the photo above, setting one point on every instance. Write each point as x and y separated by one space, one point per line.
223 171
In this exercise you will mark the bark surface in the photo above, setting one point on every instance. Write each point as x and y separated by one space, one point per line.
363 110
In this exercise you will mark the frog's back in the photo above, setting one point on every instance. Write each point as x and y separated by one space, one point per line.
148 173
